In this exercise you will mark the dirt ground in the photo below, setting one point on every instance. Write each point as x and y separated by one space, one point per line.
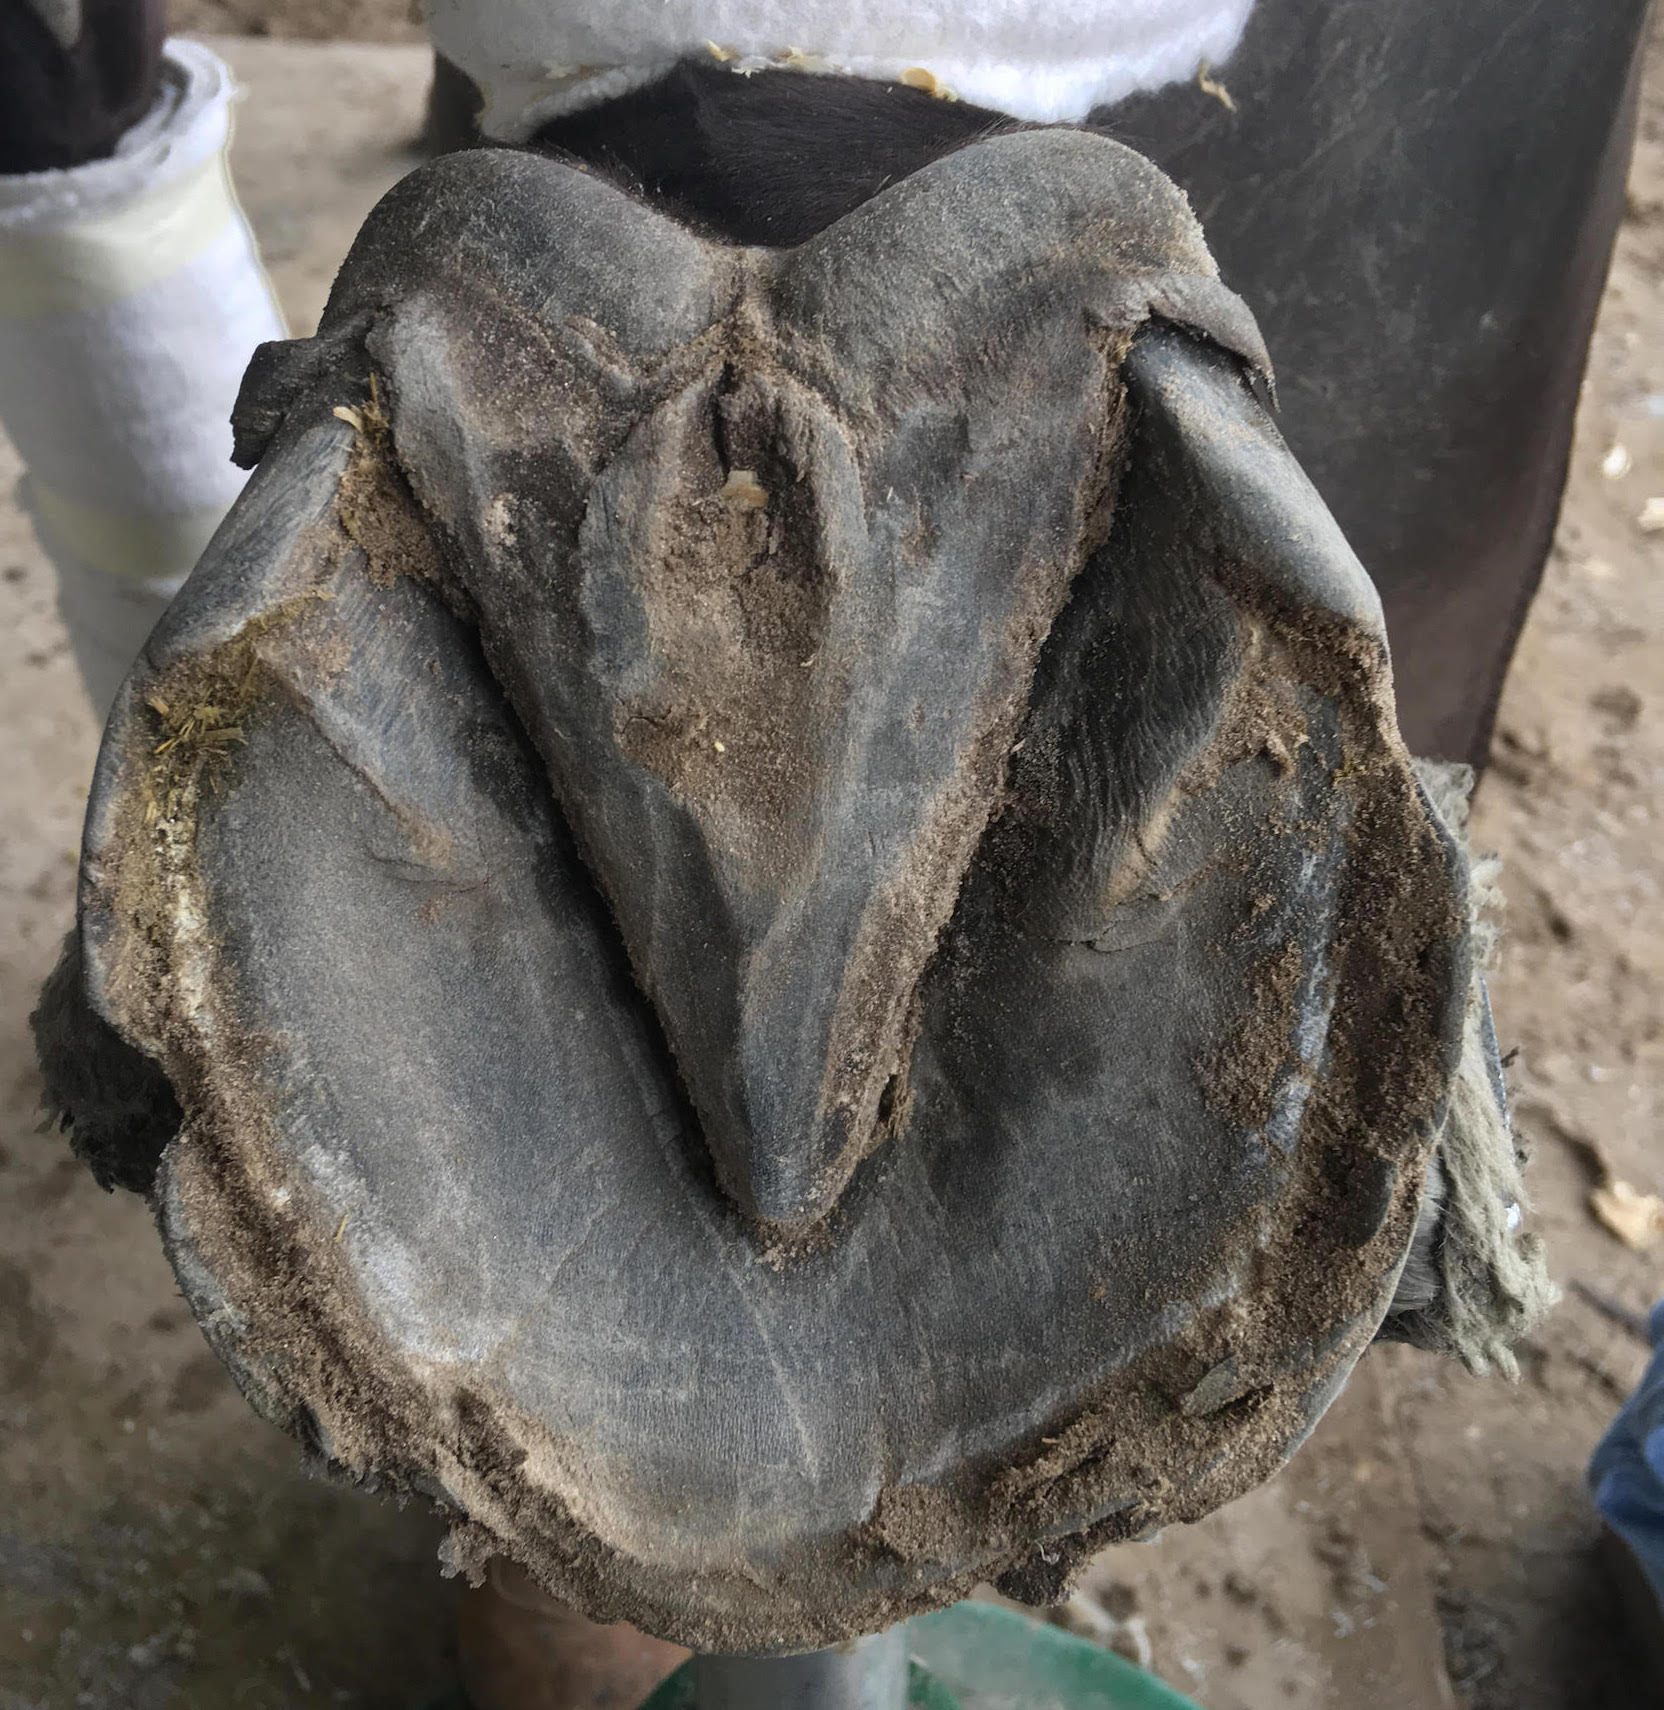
1431 1547
301 20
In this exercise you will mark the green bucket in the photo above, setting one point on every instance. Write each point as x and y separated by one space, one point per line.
979 1656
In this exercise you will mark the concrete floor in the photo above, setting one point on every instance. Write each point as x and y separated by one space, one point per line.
159 1546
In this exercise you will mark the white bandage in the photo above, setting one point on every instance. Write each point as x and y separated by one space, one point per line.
131 298
1045 60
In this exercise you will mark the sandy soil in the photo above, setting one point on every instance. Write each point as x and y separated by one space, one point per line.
1431 1547
301 20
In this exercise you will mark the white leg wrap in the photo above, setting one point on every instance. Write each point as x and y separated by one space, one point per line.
131 298
1036 59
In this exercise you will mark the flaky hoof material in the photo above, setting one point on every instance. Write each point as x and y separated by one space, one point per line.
778 888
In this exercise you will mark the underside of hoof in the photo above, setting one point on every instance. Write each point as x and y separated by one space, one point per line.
779 891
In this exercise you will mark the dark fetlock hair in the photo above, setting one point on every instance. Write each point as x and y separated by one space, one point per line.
116 1103
767 158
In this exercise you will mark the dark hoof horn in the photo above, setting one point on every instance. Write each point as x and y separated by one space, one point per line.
780 892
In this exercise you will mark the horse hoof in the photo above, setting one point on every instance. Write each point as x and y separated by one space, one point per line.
779 889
